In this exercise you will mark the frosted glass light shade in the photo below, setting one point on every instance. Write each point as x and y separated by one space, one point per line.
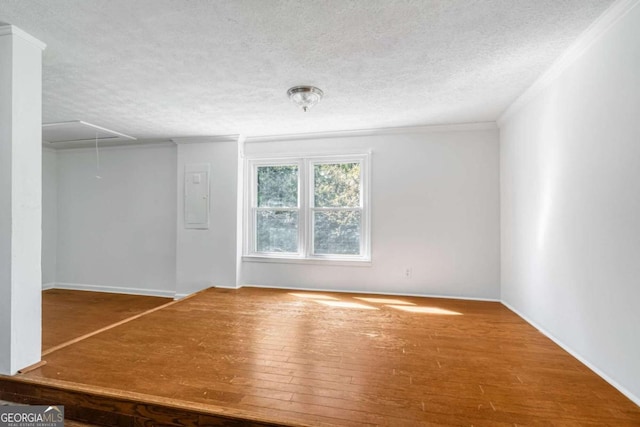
305 97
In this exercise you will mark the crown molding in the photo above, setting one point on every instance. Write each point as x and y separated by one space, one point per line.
464 127
591 35
12 30
206 139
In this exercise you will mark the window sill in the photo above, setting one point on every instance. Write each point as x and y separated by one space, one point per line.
311 261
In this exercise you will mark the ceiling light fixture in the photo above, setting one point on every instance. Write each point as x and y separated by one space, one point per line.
305 97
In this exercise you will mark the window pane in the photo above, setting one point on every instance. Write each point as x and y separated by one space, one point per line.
336 232
337 185
278 186
277 231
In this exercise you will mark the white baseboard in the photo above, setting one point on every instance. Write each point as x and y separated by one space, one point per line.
635 399
351 291
347 291
174 295
227 286
114 289
180 295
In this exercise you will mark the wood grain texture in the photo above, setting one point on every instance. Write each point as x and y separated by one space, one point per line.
71 423
69 314
275 357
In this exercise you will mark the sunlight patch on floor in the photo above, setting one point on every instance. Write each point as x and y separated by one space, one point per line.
313 296
385 301
345 304
425 310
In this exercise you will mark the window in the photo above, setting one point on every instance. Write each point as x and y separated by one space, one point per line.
277 211
308 208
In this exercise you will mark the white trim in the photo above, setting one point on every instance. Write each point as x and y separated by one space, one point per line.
47 286
360 292
115 289
289 156
304 208
251 203
234 287
12 30
240 215
590 36
635 399
206 139
333 261
462 127
180 296
365 205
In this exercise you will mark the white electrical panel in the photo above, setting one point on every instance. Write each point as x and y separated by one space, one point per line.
196 196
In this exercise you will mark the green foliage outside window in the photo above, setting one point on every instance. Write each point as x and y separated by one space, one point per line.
278 186
336 185
336 215
277 230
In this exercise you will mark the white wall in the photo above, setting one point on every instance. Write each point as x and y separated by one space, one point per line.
208 257
118 231
435 209
570 189
49 216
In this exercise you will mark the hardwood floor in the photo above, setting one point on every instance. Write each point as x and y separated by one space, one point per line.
71 423
68 314
303 358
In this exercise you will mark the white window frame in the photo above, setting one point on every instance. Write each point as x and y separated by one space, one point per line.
306 209
251 224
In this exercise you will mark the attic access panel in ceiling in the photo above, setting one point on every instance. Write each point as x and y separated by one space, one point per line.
79 131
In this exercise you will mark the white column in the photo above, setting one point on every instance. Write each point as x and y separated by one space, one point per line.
20 199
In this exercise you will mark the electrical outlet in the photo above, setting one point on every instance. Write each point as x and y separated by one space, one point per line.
408 272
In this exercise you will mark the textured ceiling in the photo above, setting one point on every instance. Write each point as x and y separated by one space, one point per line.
170 68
